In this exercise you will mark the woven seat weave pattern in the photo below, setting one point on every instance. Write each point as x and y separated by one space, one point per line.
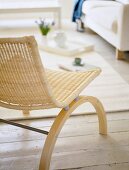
25 83
20 80
66 86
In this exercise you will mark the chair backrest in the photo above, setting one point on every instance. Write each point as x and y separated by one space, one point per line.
23 84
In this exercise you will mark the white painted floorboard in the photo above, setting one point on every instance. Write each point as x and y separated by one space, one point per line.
79 145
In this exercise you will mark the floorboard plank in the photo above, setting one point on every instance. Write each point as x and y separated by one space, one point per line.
69 130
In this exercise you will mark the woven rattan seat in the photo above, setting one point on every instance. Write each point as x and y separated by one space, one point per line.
26 85
66 86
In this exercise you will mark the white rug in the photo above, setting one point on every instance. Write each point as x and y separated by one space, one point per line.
108 87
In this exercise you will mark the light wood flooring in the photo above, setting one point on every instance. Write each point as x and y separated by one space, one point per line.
79 145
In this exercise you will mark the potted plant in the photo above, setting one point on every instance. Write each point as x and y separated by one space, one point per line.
45 26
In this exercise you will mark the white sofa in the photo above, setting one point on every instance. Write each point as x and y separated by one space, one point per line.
109 19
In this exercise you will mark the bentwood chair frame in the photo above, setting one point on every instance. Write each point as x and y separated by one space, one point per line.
25 85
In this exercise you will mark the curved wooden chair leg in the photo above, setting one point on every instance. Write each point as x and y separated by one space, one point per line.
59 122
100 112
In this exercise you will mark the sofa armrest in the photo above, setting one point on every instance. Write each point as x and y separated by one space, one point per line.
123 28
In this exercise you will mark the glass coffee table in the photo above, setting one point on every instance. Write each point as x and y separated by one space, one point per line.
72 48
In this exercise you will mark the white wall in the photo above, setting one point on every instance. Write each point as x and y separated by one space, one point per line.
67 7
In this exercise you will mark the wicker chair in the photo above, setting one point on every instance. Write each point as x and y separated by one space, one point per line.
25 85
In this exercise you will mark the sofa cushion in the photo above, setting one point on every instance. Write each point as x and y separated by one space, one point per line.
104 13
123 1
91 4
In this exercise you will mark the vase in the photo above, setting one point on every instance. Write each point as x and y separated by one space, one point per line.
60 39
44 39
